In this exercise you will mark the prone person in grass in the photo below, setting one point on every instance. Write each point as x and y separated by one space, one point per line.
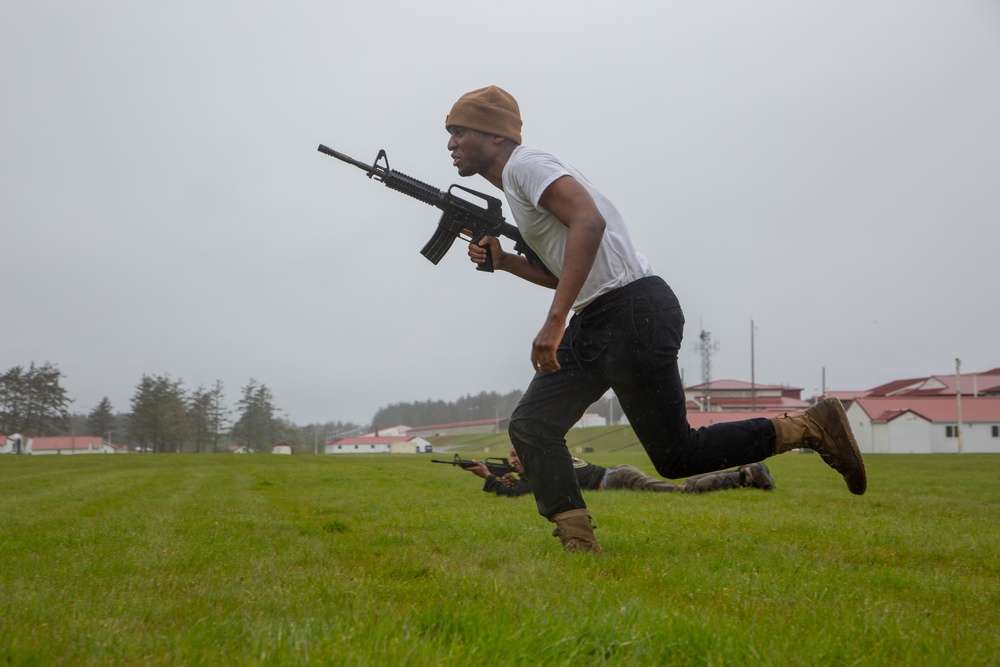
598 478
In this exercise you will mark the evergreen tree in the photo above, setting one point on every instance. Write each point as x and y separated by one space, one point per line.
218 414
198 411
33 401
159 414
12 400
101 420
256 428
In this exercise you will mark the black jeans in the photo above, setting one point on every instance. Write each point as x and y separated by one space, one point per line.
626 340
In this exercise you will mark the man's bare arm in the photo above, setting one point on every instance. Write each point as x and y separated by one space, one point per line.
573 206
512 263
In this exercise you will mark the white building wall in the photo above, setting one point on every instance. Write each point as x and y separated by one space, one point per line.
941 443
881 438
908 434
977 438
590 419
358 449
413 446
980 439
864 432
986 440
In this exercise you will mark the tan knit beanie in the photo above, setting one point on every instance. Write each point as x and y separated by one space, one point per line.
491 110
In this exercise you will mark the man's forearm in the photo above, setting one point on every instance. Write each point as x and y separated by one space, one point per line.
521 487
582 244
520 266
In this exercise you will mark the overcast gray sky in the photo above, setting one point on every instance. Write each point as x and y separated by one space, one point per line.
829 170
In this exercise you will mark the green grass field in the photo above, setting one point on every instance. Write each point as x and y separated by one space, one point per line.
379 560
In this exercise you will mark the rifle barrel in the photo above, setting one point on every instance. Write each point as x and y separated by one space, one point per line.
346 158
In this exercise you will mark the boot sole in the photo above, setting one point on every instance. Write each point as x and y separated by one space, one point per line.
857 480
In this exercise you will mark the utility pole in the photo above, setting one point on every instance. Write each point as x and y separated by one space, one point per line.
958 400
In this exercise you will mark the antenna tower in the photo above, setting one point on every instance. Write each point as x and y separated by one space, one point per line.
706 347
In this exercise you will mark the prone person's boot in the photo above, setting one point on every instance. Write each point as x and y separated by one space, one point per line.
575 529
824 429
756 476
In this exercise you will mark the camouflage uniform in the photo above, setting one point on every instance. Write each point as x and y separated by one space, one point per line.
631 478
595 477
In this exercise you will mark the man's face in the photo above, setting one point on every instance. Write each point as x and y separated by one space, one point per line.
468 150
515 461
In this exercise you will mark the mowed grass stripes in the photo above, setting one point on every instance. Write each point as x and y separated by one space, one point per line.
376 560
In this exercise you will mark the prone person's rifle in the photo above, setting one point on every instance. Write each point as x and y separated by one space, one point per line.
460 216
497 466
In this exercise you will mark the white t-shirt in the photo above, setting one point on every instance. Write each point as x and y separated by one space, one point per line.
527 173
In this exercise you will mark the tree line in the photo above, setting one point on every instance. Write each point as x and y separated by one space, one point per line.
482 406
164 416
485 405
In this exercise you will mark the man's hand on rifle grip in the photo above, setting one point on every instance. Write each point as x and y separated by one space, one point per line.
507 479
486 249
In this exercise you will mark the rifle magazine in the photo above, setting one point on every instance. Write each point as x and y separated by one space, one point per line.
438 245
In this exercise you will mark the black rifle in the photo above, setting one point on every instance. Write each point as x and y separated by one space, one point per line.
460 216
496 466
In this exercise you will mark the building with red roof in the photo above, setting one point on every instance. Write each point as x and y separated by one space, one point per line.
71 444
971 384
378 444
739 396
921 424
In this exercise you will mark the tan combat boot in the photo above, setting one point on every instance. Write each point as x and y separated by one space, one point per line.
824 429
575 529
